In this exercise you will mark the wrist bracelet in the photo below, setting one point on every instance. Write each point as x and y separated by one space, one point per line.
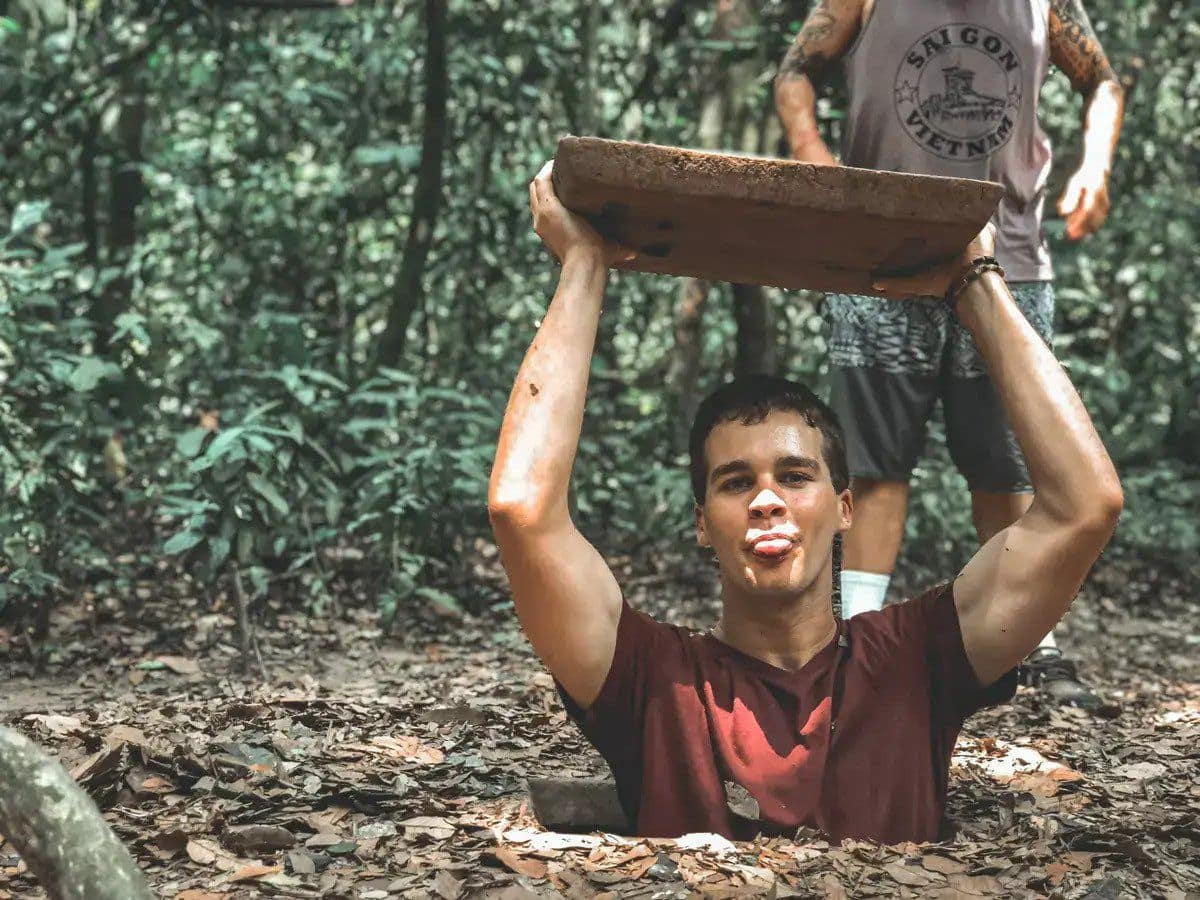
979 265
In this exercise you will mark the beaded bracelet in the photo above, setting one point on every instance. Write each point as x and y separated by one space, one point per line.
979 265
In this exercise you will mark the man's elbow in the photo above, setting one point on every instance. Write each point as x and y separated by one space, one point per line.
1103 510
516 513
505 511
1105 84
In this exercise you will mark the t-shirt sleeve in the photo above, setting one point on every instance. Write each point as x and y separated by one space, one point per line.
614 721
955 689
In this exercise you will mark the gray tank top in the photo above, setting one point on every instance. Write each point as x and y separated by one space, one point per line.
950 87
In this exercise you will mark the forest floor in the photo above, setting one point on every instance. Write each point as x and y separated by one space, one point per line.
367 766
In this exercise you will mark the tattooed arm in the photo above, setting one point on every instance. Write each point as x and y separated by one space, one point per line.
826 34
1075 49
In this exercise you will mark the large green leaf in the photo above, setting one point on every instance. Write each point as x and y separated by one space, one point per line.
189 443
28 214
184 540
269 493
403 156
90 372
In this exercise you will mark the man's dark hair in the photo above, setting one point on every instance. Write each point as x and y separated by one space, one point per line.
749 400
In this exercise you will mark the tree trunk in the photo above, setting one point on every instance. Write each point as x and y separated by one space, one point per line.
87 170
747 125
693 293
125 193
58 830
685 365
755 331
587 92
428 194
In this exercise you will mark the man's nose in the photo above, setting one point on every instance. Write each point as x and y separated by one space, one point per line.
767 503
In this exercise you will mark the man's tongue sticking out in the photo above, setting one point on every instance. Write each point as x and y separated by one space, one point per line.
772 548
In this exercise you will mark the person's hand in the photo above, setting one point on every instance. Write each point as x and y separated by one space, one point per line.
563 232
1084 202
936 279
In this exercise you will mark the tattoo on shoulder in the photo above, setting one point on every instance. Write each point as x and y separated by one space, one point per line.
1074 45
806 56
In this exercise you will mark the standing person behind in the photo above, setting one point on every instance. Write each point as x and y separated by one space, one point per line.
947 87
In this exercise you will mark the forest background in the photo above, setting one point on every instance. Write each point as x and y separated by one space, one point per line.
266 275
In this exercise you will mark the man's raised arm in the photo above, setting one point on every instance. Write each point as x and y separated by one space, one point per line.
1022 581
1076 50
827 32
566 596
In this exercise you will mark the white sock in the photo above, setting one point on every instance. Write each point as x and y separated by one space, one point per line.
1048 641
862 591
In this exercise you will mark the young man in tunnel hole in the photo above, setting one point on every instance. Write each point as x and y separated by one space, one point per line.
843 725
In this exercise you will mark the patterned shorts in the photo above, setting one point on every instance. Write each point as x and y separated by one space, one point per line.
892 360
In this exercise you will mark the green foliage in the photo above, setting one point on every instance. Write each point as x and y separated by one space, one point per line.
278 161
48 433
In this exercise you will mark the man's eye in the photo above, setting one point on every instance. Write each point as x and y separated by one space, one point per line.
797 477
736 484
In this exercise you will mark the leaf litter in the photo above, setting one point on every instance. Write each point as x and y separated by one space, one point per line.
372 768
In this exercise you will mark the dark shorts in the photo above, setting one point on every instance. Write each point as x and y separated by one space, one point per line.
892 360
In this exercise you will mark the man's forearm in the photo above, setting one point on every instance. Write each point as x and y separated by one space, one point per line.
542 422
1102 116
795 102
1072 474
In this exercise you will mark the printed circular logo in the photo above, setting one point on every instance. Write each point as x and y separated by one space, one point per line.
958 91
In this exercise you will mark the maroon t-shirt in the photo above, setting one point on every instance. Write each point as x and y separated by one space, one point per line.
856 743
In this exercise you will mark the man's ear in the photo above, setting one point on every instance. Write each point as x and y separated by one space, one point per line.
701 532
845 510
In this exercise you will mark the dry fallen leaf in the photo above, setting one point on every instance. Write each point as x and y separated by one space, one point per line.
251 839
715 844
1040 784
55 724
99 763
641 866
1079 859
910 876
301 863
202 852
980 885
1056 872
741 802
531 868
172 840
447 886
404 747
124 734
1140 771
411 750
180 665
253 871
434 826
943 865
157 785
832 887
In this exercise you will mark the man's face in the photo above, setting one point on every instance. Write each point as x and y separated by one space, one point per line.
770 511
